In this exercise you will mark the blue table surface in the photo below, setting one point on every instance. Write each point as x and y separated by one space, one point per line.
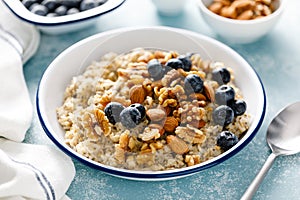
275 58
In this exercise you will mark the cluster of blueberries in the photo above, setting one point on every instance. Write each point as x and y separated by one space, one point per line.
228 107
129 116
53 8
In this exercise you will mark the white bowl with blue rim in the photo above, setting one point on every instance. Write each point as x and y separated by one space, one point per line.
65 23
69 63
241 31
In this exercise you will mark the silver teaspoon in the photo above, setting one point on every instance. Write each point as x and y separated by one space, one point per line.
283 138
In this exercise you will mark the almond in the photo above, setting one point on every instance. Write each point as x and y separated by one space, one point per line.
137 94
209 91
170 124
246 15
177 145
156 114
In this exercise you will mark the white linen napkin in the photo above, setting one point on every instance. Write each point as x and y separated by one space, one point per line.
15 104
33 171
27 171
18 42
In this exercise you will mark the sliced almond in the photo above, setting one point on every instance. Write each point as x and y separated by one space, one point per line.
177 145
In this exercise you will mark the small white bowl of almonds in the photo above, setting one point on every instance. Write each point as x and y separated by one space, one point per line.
241 21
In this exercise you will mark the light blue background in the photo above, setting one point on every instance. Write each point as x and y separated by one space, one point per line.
276 58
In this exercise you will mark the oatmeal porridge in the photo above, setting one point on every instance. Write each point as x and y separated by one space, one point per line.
153 110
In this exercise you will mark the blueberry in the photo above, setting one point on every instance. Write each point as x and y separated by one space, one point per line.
155 69
130 117
39 9
70 3
61 10
223 115
50 4
28 3
72 11
193 83
226 140
87 4
221 75
186 61
224 95
239 107
140 108
112 112
174 63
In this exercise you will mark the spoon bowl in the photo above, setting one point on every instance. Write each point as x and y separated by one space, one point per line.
283 134
283 138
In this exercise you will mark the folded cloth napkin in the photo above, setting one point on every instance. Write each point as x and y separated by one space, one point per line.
27 171
18 42
15 104
33 171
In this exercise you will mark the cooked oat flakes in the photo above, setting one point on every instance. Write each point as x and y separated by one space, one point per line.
177 129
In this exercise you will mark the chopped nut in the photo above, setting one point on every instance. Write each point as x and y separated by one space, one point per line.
150 134
177 145
124 139
191 160
170 103
103 121
190 134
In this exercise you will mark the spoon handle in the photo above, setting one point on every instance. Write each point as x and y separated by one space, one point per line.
259 177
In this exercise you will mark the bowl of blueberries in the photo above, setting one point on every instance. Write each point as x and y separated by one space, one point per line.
61 16
226 88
